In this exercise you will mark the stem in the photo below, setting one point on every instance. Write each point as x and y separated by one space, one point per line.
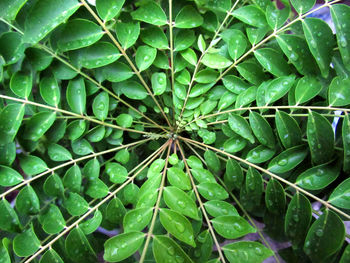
274 34
156 208
212 43
325 203
329 108
236 200
75 224
121 49
75 115
211 230
171 51
51 170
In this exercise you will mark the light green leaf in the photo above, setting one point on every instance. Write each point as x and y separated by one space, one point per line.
52 220
45 16
232 227
240 126
278 87
177 225
320 138
320 39
340 195
26 243
58 153
10 8
144 57
90 225
188 17
246 252
51 256
21 84
78 33
272 61
165 249
261 129
9 176
251 15
325 236
154 37
116 172
260 154
117 72
50 91
127 33
302 6
288 129
178 178
137 219
236 42
215 61
318 177
108 9
184 39
124 120
179 201
150 13
100 105
307 88
212 191
159 83
338 92
76 95
10 120
32 165
217 208
38 125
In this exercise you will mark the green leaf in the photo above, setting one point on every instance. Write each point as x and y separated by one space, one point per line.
58 153
124 120
75 204
200 89
288 129
116 172
188 17
262 129
76 95
215 61
298 218
144 57
177 225
320 138
302 6
190 56
32 165
272 61
9 176
137 219
307 88
122 246
11 47
9 219
184 39
232 227
240 126
212 191
150 13
318 177
246 252
52 220
134 90
78 247
325 236
346 142
10 120
95 56
154 37
39 124
159 83
90 225
115 210
340 14
236 42
227 99
165 249
338 92
26 243
276 17
340 195
50 91
21 84
275 197
201 43
288 159
206 76
346 255
217 208
72 179
260 154
234 173
179 201
320 39
97 189
45 16
178 178
251 15
212 161
8 153
79 33
53 186
10 8
127 33
251 71
38 58
51 256
202 175
108 9
277 88
100 105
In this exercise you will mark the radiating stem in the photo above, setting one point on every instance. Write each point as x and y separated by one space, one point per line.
325 203
156 208
211 230
121 49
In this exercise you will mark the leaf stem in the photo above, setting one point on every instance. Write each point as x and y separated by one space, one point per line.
156 208
325 203
211 230
74 161
76 223
121 49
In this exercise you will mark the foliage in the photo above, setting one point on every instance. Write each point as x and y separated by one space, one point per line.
163 131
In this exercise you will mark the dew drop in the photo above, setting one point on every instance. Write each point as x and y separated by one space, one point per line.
180 227
296 218
319 232
282 162
181 204
258 251
171 251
